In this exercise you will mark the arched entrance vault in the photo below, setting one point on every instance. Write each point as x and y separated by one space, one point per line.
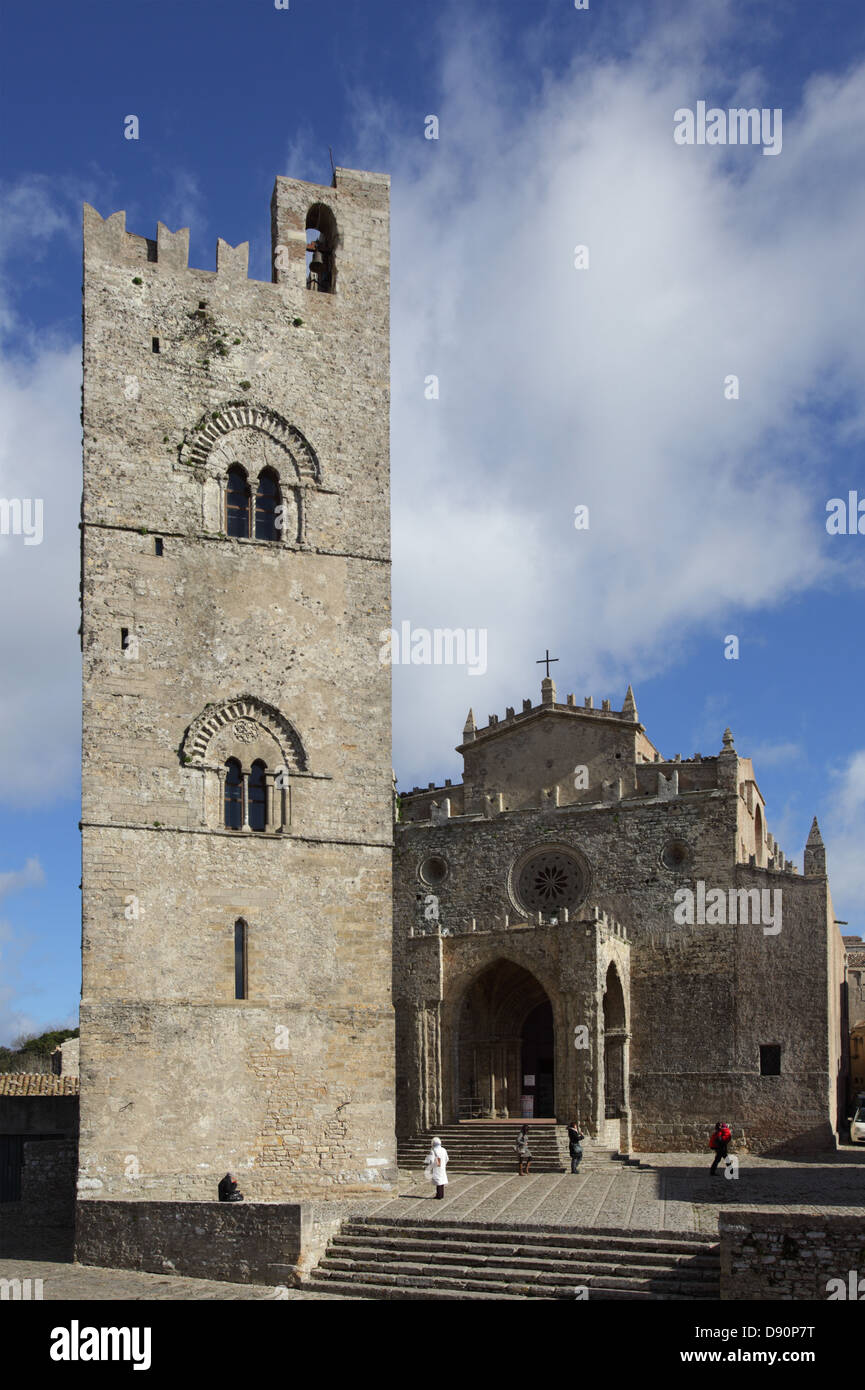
503 1046
615 1037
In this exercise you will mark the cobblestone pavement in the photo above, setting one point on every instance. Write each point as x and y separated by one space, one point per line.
65 1281
675 1193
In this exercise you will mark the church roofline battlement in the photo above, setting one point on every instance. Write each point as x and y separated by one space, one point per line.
576 807
529 713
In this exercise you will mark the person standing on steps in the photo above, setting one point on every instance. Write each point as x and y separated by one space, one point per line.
718 1140
575 1145
436 1167
524 1155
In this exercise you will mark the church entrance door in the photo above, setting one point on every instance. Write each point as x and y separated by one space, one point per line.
506 1047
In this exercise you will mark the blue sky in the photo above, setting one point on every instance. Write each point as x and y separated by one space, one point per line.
558 387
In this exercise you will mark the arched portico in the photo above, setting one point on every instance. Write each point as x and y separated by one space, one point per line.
502 1045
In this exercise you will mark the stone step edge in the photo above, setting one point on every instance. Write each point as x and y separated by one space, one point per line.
426 1289
393 1292
532 1288
493 1251
604 1247
455 1224
575 1272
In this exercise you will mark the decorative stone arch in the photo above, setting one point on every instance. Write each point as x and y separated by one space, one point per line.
616 1034
199 737
257 438
198 444
501 1059
244 733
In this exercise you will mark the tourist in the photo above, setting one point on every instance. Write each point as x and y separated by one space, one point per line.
718 1141
523 1152
228 1190
575 1145
436 1167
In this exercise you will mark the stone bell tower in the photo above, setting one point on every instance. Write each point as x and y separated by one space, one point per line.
237 828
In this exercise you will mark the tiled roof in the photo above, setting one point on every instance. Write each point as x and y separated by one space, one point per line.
28 1083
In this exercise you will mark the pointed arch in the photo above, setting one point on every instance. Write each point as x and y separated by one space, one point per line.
196 743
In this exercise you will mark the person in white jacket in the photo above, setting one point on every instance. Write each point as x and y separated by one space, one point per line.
436 1167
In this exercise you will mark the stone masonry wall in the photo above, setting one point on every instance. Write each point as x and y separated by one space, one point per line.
239 1242
791 1256
42 1222
291 1087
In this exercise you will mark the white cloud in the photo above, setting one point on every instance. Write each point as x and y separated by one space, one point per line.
843 829
13 949
774 754
605 386
40 678
12 881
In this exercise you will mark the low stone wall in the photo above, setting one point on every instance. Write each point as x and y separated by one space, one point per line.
791 1256
42 1222
240 1242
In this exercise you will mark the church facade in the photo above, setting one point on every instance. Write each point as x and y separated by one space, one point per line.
585 928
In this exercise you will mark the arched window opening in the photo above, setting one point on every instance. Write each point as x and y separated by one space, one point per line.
321 249
615 1033
758 835
257 796
233 795
266 503
237 502
241 980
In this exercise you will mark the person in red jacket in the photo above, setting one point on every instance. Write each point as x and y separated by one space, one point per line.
718 1141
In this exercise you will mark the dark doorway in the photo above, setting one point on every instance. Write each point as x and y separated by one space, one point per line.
538 1061
505 1066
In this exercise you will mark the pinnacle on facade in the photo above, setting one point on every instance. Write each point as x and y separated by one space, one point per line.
470 728
728 742
630 705
814 838
815 853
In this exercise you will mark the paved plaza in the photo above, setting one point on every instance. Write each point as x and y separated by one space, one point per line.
669 1192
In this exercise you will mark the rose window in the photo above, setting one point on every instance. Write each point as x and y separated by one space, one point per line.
551 879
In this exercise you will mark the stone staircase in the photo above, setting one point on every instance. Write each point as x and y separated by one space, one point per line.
396 1258
488 1147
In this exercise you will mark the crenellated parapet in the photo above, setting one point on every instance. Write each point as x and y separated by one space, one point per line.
106 239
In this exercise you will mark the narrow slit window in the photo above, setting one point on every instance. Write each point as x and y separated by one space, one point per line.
233 795
240 966
266 503
158 546
124 638
770 1060
154 343
257 796
237 502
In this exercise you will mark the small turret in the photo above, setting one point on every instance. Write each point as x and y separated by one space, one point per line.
728 764
815 853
